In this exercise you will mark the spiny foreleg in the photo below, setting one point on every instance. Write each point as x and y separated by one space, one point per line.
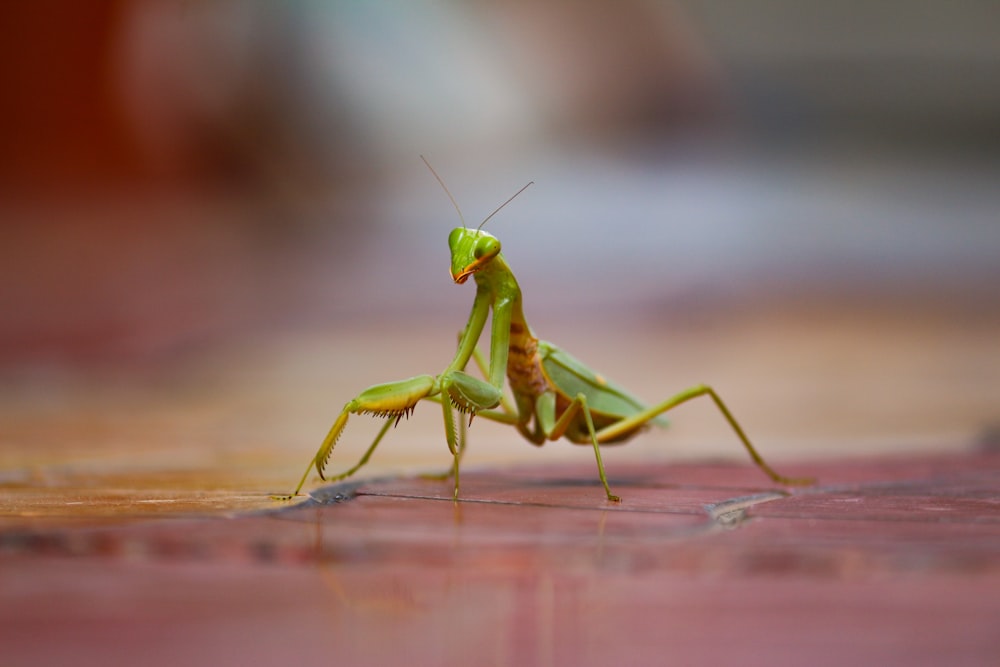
392 400
468 395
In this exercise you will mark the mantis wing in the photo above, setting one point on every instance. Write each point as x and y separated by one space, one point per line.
571 376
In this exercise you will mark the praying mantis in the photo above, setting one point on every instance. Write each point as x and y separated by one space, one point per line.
554 395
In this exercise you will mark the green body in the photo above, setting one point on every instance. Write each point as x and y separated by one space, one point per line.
555 395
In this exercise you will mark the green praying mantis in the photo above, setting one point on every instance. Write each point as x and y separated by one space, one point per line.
554 395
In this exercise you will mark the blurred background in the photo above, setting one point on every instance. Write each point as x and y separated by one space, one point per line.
215 226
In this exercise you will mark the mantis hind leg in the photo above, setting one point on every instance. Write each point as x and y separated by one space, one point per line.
640 419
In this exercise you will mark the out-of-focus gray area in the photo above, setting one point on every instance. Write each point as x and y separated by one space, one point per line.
182 172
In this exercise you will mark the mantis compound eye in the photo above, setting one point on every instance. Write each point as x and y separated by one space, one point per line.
486 247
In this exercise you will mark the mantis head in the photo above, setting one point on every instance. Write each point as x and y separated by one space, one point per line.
471 250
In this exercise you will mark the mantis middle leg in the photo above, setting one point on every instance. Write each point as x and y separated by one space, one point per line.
545 408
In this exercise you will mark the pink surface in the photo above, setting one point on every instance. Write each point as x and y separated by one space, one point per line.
884 562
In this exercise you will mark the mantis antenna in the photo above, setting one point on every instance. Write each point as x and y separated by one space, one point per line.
448 192
455 203
504 204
